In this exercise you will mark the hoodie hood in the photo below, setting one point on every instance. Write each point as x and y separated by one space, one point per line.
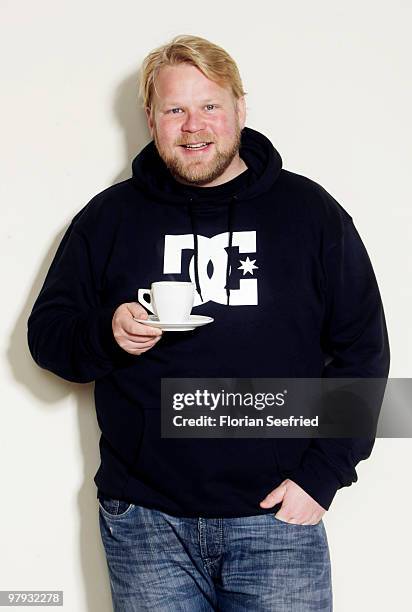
262 159
152 176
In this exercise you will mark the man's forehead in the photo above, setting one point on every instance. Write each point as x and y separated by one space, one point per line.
173 82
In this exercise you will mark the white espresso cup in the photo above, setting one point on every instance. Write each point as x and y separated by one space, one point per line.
170 301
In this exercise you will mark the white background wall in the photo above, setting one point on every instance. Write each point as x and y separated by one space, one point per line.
330 84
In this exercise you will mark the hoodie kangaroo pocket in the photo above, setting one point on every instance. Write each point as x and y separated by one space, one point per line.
213 468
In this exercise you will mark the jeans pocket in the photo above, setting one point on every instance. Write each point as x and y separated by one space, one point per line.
115 508
295 524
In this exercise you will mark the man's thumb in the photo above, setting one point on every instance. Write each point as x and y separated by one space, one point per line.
137 310
274 497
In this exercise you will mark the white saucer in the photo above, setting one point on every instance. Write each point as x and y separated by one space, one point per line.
192 322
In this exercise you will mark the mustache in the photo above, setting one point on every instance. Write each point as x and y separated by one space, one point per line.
194 139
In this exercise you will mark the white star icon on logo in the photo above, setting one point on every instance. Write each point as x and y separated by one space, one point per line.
247 266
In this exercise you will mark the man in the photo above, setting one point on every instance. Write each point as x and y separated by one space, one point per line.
205 524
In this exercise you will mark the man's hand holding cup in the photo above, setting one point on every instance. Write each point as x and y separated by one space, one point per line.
133 337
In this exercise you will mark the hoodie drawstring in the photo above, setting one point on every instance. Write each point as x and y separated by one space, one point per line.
231 208
194 231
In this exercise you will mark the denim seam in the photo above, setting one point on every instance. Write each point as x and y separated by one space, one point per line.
115 516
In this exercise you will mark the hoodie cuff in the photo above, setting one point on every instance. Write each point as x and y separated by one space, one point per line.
316 478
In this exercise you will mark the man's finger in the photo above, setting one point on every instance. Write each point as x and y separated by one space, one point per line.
139 349
274 497
138 329
284 519
133 347
137 310
147 341
314 519
145 333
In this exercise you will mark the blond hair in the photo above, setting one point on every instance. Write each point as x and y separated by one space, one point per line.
213 61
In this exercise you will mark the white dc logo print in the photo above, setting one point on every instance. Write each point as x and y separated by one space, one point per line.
212 261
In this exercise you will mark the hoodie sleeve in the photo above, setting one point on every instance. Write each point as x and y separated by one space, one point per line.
69 330
354 334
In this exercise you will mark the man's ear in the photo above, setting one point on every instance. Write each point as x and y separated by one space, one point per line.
241 111
149 117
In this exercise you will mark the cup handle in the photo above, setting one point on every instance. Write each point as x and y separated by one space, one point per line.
141 298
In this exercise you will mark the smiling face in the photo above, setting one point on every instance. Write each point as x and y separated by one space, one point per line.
196 125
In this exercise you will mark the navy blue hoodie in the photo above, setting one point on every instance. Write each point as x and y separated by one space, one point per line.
280 266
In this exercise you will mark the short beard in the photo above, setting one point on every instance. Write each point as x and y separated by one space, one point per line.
194 173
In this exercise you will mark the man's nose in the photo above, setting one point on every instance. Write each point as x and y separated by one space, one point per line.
193 122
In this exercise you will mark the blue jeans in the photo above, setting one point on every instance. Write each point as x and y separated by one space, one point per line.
161 563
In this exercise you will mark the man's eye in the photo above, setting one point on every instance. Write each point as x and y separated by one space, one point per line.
175 111
210 106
